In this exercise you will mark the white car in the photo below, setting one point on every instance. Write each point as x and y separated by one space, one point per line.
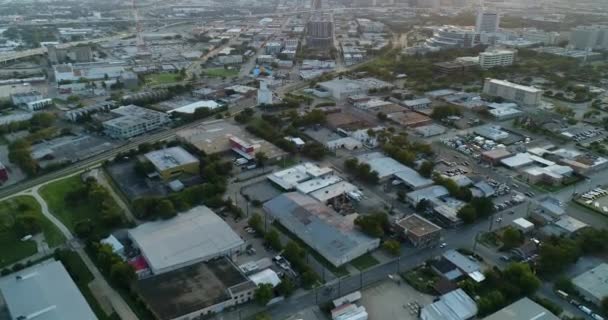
443 245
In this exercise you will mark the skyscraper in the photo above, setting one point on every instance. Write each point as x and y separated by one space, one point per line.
315 4
320 31
487 22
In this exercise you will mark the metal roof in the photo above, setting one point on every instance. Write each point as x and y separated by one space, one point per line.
523 309
454 305
189 237
45 292
170 158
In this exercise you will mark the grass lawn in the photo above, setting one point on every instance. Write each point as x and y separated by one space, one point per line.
162 78
422 279
220 72
364 262
71 213
11 246
82 277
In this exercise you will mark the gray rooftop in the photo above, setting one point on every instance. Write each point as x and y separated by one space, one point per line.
193 236
415 102
594 282
461 262
524 309
320 227
386 167
454 305
44 292
170 158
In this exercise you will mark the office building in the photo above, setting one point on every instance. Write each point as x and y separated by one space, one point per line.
523 309
333 235
172 162
80 53
320 31
593 284
264 94
197 235
496 58
487 22
522 95
133 121
589 37
453 37
44 291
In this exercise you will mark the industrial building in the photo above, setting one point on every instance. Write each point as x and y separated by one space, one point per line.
23 98
417 104
296 176
522 95
44 291
593 284
76 114
192 107
388 168
429 193
454 305
89 71
329 233
419 231
194 236
523 309
222 136
172 162
133 121
197 290
496 58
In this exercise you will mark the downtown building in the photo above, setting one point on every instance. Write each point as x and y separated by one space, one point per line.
320 31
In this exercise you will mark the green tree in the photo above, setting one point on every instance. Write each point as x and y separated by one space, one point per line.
261 158
309 278
392 246
604 304
273 239
286 287
512 238
255 221
122 273
165 209
263 294
426 169
468 214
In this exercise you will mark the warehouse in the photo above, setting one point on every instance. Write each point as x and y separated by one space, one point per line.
291 178
454 305
172 162
593 284
523 309
388 168
332 235
190 237
44 291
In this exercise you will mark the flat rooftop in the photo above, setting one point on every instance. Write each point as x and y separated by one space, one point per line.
169 158
181 292
594 282
417 225
44 291
523 309
193 236
514 85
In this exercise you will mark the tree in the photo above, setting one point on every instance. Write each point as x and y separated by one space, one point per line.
255 221
512 238
426 169
286 287
262 316
392 246
604 304
564 284
521 276
309 278
273 239
122 273
165 209
374 224
263 294
556 254
314 150
27 224
261 158
83 228
468 214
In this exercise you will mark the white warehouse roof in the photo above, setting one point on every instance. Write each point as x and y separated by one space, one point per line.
454 305
190 237
266 276
165 159
44 292
190 108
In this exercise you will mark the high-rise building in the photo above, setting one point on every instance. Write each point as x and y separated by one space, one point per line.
522 95
495 58
589 37
315 4
487 22
320 31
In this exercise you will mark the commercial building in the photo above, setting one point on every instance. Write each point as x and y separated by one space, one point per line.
417 104
523 95
492 132
80 53
197 290
133 121
172 162
273 48
419 231
523 225
194 236
589 37
264 94
230 59
79 113
429 194
89 71
487 22
552 175
504 111
192 107
454 305
44 291
320 31
453 37
523 309
496 58
388 168
24 98
342 88
38 104
464 264
593 284
581 55
331 234
454 67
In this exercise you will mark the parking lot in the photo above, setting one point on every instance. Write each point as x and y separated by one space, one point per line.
596 199
390 300
132 185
